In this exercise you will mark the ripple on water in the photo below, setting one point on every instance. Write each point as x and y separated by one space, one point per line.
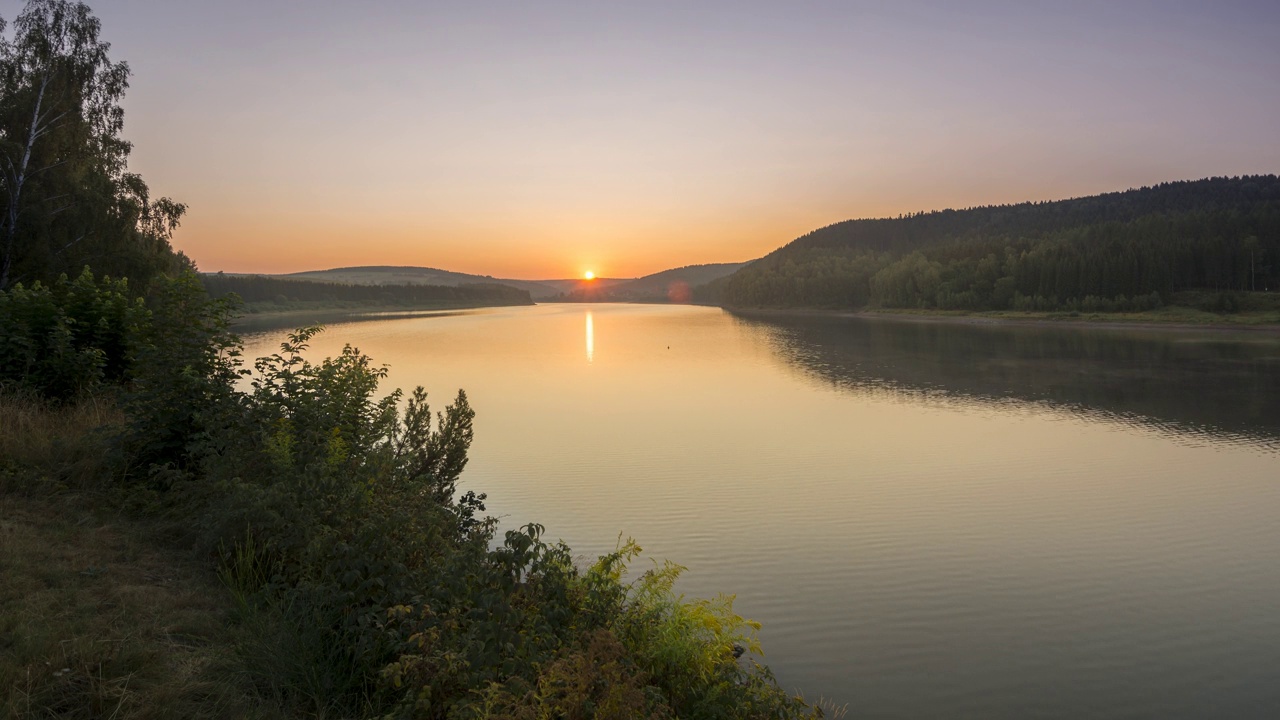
930 521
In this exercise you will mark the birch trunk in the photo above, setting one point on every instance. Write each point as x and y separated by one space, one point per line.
19 179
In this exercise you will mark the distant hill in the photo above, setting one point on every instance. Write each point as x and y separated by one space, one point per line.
570 285
1119 251
657 286
409 275
674 284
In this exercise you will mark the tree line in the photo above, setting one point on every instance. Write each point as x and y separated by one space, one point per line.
257 290
67 197
1121 251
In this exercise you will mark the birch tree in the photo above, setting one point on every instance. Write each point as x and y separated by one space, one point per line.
66 196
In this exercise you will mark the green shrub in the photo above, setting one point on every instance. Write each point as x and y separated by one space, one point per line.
65 340
183 379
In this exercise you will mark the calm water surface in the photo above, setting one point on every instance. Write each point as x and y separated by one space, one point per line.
930 520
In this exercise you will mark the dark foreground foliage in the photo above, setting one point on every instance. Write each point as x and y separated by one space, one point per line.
370 586
68 338
67 197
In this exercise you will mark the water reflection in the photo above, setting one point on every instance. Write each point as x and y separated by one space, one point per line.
902 505
1201 386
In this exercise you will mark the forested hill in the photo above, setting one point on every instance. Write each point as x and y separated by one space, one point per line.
673 284
412 275
1119 251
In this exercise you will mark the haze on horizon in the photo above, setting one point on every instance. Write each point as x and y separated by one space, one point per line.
543 140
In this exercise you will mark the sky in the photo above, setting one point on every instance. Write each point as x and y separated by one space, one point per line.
544 139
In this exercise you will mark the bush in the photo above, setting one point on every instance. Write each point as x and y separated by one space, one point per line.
1226 302
185 366
66 340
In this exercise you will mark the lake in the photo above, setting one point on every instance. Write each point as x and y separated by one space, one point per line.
930 519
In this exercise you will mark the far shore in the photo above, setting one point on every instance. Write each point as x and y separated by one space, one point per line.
1206 322
295 317
1105 321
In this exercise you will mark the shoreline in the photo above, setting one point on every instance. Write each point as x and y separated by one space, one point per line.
1093 322
329 314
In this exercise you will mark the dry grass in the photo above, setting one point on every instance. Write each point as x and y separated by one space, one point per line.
100 618
63 444
830 709
96 621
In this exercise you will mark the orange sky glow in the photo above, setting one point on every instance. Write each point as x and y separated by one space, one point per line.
531 140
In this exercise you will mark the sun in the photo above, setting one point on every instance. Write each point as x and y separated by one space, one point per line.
589 275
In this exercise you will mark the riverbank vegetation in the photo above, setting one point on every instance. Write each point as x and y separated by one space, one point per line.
1189 308
100 614
190 535
1212 243
370 586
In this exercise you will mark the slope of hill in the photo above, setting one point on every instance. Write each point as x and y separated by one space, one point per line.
665 285
571 285
1127 250
409 275
675 284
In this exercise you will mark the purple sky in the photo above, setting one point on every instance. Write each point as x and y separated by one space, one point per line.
543 139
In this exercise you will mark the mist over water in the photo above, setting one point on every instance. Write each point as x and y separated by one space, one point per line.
931 520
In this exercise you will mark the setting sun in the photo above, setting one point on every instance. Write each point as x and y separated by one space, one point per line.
589 275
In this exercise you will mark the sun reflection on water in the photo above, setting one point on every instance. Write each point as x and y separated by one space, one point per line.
591 338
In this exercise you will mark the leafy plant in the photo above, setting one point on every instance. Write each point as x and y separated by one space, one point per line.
67 339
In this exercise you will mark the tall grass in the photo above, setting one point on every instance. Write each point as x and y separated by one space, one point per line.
61 443
98 620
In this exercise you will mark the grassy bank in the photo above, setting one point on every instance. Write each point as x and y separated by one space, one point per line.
1194 308
1197 310
1191 308
99 619
100 615
1169 317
